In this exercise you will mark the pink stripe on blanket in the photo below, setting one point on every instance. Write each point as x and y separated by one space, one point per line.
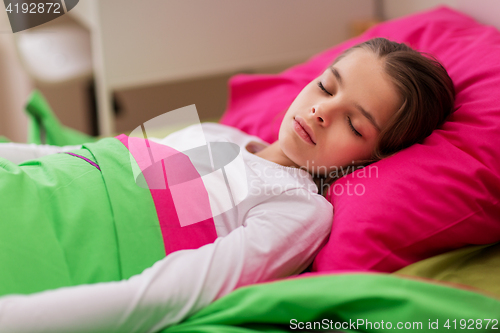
178 192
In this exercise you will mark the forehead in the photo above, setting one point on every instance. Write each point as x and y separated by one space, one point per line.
366 83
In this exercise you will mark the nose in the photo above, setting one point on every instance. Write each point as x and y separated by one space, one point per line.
320 115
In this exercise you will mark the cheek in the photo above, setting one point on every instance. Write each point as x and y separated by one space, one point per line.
305 97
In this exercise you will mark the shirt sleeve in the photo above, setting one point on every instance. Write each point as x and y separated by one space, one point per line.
280 238
21 152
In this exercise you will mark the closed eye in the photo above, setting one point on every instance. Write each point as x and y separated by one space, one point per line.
322 87
352 127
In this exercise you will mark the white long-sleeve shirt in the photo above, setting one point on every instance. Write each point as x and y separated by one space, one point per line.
274 232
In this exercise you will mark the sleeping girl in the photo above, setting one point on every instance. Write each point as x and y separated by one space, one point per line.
84 249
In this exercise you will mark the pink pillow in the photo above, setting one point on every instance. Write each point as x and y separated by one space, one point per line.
430 198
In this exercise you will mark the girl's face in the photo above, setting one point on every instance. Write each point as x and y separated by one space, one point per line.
336 119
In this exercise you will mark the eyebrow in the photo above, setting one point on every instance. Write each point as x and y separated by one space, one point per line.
337 75
365 113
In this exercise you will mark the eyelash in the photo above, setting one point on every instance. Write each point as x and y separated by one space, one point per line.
352 127
322 87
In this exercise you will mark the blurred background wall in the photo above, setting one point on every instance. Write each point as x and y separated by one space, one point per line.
15 86
137 104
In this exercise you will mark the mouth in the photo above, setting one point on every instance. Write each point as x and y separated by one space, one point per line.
303 130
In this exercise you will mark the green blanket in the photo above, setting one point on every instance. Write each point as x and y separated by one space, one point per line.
346 303
45 128
65 222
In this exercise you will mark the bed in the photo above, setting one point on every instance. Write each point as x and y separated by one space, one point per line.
419 248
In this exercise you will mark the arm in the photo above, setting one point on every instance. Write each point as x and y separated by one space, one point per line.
280 238
21 152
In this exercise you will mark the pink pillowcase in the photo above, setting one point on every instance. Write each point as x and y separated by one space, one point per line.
430 198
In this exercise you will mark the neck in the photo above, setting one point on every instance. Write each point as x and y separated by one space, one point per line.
274 154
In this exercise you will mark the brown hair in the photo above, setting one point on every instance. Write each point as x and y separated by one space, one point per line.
426 91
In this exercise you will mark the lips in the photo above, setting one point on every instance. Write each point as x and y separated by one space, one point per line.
303 130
